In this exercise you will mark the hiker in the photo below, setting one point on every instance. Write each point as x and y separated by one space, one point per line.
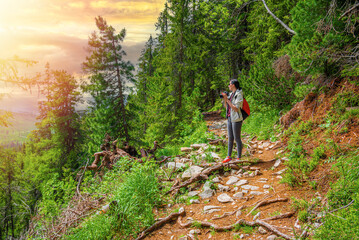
233 103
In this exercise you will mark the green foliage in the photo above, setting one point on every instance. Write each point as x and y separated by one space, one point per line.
135 193
343 223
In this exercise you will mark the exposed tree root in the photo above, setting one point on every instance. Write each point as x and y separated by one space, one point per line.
281 216
231 227
266 202
226 214
160 223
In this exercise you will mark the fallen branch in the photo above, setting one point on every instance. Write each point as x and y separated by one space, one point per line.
281 216
231 227
266 202
171 217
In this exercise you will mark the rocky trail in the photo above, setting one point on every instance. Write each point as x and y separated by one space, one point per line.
249 193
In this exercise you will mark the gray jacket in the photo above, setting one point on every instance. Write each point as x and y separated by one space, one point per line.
237 100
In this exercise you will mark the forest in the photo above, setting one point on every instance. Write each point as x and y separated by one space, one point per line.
284 53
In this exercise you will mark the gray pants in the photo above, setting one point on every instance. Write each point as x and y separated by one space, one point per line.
234 133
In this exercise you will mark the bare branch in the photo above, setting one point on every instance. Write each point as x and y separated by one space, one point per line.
277 19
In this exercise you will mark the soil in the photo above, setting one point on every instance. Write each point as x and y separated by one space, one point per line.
314 108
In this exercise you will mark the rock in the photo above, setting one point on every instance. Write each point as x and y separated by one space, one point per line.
238 195
280 172
279 152
216 180
195 231
233 172
238 213
249 187
255 193
186 149
266 186
223 188
244 191
224 198
214 155
232 180
175 165
193 193
240 175
277 163
256 216
254 168
192 201
191 172
184 160
262 180
261 230
235 189
285 159
272 237
240 171
198 146
206 193
226 174
241 182
279 177
260 152
266 144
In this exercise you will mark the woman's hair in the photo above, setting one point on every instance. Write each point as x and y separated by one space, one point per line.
236 83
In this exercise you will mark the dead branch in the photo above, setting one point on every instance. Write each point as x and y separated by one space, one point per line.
281 216
158 224
277 19
230 227
266 202
349 10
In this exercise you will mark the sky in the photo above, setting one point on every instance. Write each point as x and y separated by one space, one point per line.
56 31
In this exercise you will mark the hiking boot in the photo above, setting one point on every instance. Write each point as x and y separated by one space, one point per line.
227 159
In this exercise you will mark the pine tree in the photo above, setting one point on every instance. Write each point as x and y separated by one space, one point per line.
108 74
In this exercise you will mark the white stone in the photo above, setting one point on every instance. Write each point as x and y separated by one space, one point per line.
191 172
277 163
175 165
216 180
224 198
195 231
186 149
272 237
232 180
255 193
262 180
260 152
266 144
279 152
238 213
244 191
261 230
249 187
215 155
192 201
285 159
223 188
206 193
242 182
266 186
238 195
193 193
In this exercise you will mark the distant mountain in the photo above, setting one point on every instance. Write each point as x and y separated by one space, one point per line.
21 125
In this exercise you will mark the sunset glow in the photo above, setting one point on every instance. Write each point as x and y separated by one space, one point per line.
56 31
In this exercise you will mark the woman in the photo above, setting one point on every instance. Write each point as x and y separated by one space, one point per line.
233 104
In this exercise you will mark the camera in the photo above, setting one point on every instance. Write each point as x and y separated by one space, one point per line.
221 96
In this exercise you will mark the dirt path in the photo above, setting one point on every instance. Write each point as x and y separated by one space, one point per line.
265 186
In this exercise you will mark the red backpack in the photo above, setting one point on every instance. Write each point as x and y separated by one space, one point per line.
245 110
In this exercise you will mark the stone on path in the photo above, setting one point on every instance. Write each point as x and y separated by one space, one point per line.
255 193
261 230
232 180
186 149
175 165
223 188
238 195
241 182
211 209
224 198
272 237
193 193
198 146
277 163
191 172
216 180
262 180
266 186
249 187
194 201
